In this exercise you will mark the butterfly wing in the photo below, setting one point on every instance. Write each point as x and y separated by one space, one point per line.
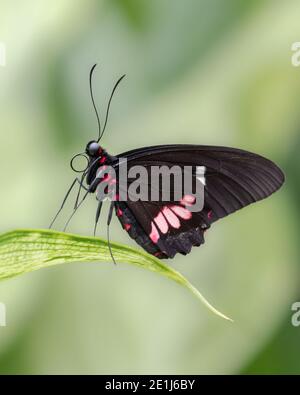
234 179
162 229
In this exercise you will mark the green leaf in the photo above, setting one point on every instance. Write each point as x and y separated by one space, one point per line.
25 250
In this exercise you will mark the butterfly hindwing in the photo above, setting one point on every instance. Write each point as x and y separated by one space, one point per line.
162 228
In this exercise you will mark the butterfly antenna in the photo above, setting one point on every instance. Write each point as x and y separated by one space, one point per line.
108 106
93 101
108 235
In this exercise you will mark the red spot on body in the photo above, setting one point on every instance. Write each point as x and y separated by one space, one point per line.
103 159
116 197
119 212
127 227
106 177
209 214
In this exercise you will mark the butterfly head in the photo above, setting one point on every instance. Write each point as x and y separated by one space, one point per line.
93 155
93 149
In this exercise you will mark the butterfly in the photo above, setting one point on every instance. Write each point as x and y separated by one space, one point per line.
234 179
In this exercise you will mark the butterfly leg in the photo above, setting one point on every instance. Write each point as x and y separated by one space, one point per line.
80 203
65 199
79 189
97 216
109 218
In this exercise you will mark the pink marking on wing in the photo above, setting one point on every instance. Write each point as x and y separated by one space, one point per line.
116 197
127 227
154 235
188 200
112 181
161 223
182 212
171 218
119 212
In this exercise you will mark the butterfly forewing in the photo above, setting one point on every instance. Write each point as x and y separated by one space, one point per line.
234 179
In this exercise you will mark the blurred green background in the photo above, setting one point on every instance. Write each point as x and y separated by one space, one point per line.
202 72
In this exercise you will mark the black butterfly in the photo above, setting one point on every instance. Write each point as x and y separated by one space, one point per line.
234 179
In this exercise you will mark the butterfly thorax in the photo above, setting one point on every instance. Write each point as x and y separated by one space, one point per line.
98 162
